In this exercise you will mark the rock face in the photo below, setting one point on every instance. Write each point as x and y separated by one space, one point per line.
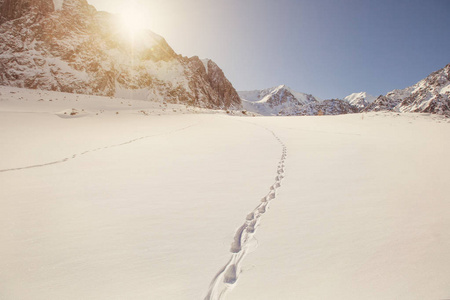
327 107
430 95
211 85
13 9
382 103
80 50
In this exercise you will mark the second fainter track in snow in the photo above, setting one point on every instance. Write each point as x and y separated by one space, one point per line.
244 240
94 150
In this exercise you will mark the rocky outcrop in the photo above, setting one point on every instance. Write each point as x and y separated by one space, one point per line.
326 107
80 50
14 9
209 85
382 103
221 85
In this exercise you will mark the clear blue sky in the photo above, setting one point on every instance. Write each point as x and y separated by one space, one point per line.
328 48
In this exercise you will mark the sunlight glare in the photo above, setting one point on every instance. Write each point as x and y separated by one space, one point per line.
133 19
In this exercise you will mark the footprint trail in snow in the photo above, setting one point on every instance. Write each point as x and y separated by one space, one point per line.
244 241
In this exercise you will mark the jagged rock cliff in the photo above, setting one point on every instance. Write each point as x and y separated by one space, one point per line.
80 50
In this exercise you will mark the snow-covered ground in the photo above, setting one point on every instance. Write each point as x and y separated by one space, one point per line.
122 199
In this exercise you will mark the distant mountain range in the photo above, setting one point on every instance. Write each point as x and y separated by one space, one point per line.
282 100
430 95
69 46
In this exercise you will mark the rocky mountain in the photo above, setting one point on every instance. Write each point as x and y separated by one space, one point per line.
11 9
283 101
279 100
359 100
430 95
326 107
69 46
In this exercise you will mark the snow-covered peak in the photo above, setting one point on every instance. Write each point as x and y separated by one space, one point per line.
265 94
280 87
360 99
274 100
367 97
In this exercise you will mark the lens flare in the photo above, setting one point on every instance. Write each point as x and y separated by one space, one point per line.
133 19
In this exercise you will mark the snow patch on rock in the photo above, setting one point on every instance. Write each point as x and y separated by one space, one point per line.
58 4
205 62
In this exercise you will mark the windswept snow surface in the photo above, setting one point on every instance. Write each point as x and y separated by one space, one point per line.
122 199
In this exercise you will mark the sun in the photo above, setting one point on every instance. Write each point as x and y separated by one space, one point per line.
133 19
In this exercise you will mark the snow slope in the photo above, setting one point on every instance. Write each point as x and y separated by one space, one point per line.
128 199
361 213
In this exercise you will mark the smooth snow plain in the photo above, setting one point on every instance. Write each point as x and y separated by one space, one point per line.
106 198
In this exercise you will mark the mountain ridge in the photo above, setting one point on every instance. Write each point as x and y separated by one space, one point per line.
284 101
78 49
429 95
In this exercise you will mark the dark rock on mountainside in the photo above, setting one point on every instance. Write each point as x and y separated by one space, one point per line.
13 9
382 103
210 85
326 107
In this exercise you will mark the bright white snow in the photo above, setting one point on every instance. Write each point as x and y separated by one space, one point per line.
106 198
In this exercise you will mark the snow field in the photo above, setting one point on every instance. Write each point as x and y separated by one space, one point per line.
362 213
114 203
153 218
